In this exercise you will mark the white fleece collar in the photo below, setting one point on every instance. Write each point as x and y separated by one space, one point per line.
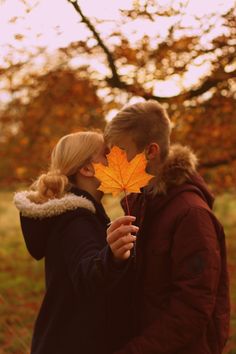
52 207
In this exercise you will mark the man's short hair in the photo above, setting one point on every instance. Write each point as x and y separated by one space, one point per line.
146 122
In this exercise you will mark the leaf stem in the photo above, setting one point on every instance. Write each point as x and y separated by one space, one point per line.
126 200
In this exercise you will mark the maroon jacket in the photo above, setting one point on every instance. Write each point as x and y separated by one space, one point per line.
181 296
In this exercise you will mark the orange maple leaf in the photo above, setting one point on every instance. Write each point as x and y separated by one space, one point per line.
121 175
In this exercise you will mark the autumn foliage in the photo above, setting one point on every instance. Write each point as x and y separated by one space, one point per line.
55 98
65 103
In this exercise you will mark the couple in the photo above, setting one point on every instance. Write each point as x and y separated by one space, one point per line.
169 296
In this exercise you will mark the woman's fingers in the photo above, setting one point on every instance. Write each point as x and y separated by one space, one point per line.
124 252
122 246
123 220
124 241
120 238
122 230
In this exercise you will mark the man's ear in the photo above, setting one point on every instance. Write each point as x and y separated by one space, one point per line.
152 151
87 170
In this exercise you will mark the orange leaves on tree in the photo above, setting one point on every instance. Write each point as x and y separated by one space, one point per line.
121 175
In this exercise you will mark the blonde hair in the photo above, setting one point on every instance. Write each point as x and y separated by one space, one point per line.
147 122
70 153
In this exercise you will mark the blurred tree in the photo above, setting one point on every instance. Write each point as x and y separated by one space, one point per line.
63 102
194 54
204 109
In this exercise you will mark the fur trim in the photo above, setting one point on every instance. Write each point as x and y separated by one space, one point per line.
180 164
52 207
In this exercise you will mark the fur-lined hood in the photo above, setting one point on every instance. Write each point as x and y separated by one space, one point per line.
52 207
177 169
176 175
39 222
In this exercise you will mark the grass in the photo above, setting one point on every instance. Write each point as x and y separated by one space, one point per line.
22 283
225 209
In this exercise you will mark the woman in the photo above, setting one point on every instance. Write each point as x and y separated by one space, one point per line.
63 220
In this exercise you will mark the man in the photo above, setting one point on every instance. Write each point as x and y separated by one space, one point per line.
181 290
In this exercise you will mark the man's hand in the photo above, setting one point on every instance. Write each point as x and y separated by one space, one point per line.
119 236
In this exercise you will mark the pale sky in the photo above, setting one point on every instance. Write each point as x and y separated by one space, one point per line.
41 25
49 14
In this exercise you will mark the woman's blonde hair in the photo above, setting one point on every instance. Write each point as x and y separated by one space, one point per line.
70 153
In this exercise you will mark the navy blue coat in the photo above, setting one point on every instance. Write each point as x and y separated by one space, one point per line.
86 304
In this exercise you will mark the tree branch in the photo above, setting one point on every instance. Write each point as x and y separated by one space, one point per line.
207 85
217 163
114 80
211 82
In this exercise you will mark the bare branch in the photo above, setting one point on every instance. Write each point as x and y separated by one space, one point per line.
206 86
209 83
114 80
217 163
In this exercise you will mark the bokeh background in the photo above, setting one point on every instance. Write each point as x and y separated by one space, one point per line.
71 65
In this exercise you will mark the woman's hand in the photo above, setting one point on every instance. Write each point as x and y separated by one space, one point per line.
119 236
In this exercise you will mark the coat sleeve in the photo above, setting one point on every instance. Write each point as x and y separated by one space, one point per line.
196 269
88 258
